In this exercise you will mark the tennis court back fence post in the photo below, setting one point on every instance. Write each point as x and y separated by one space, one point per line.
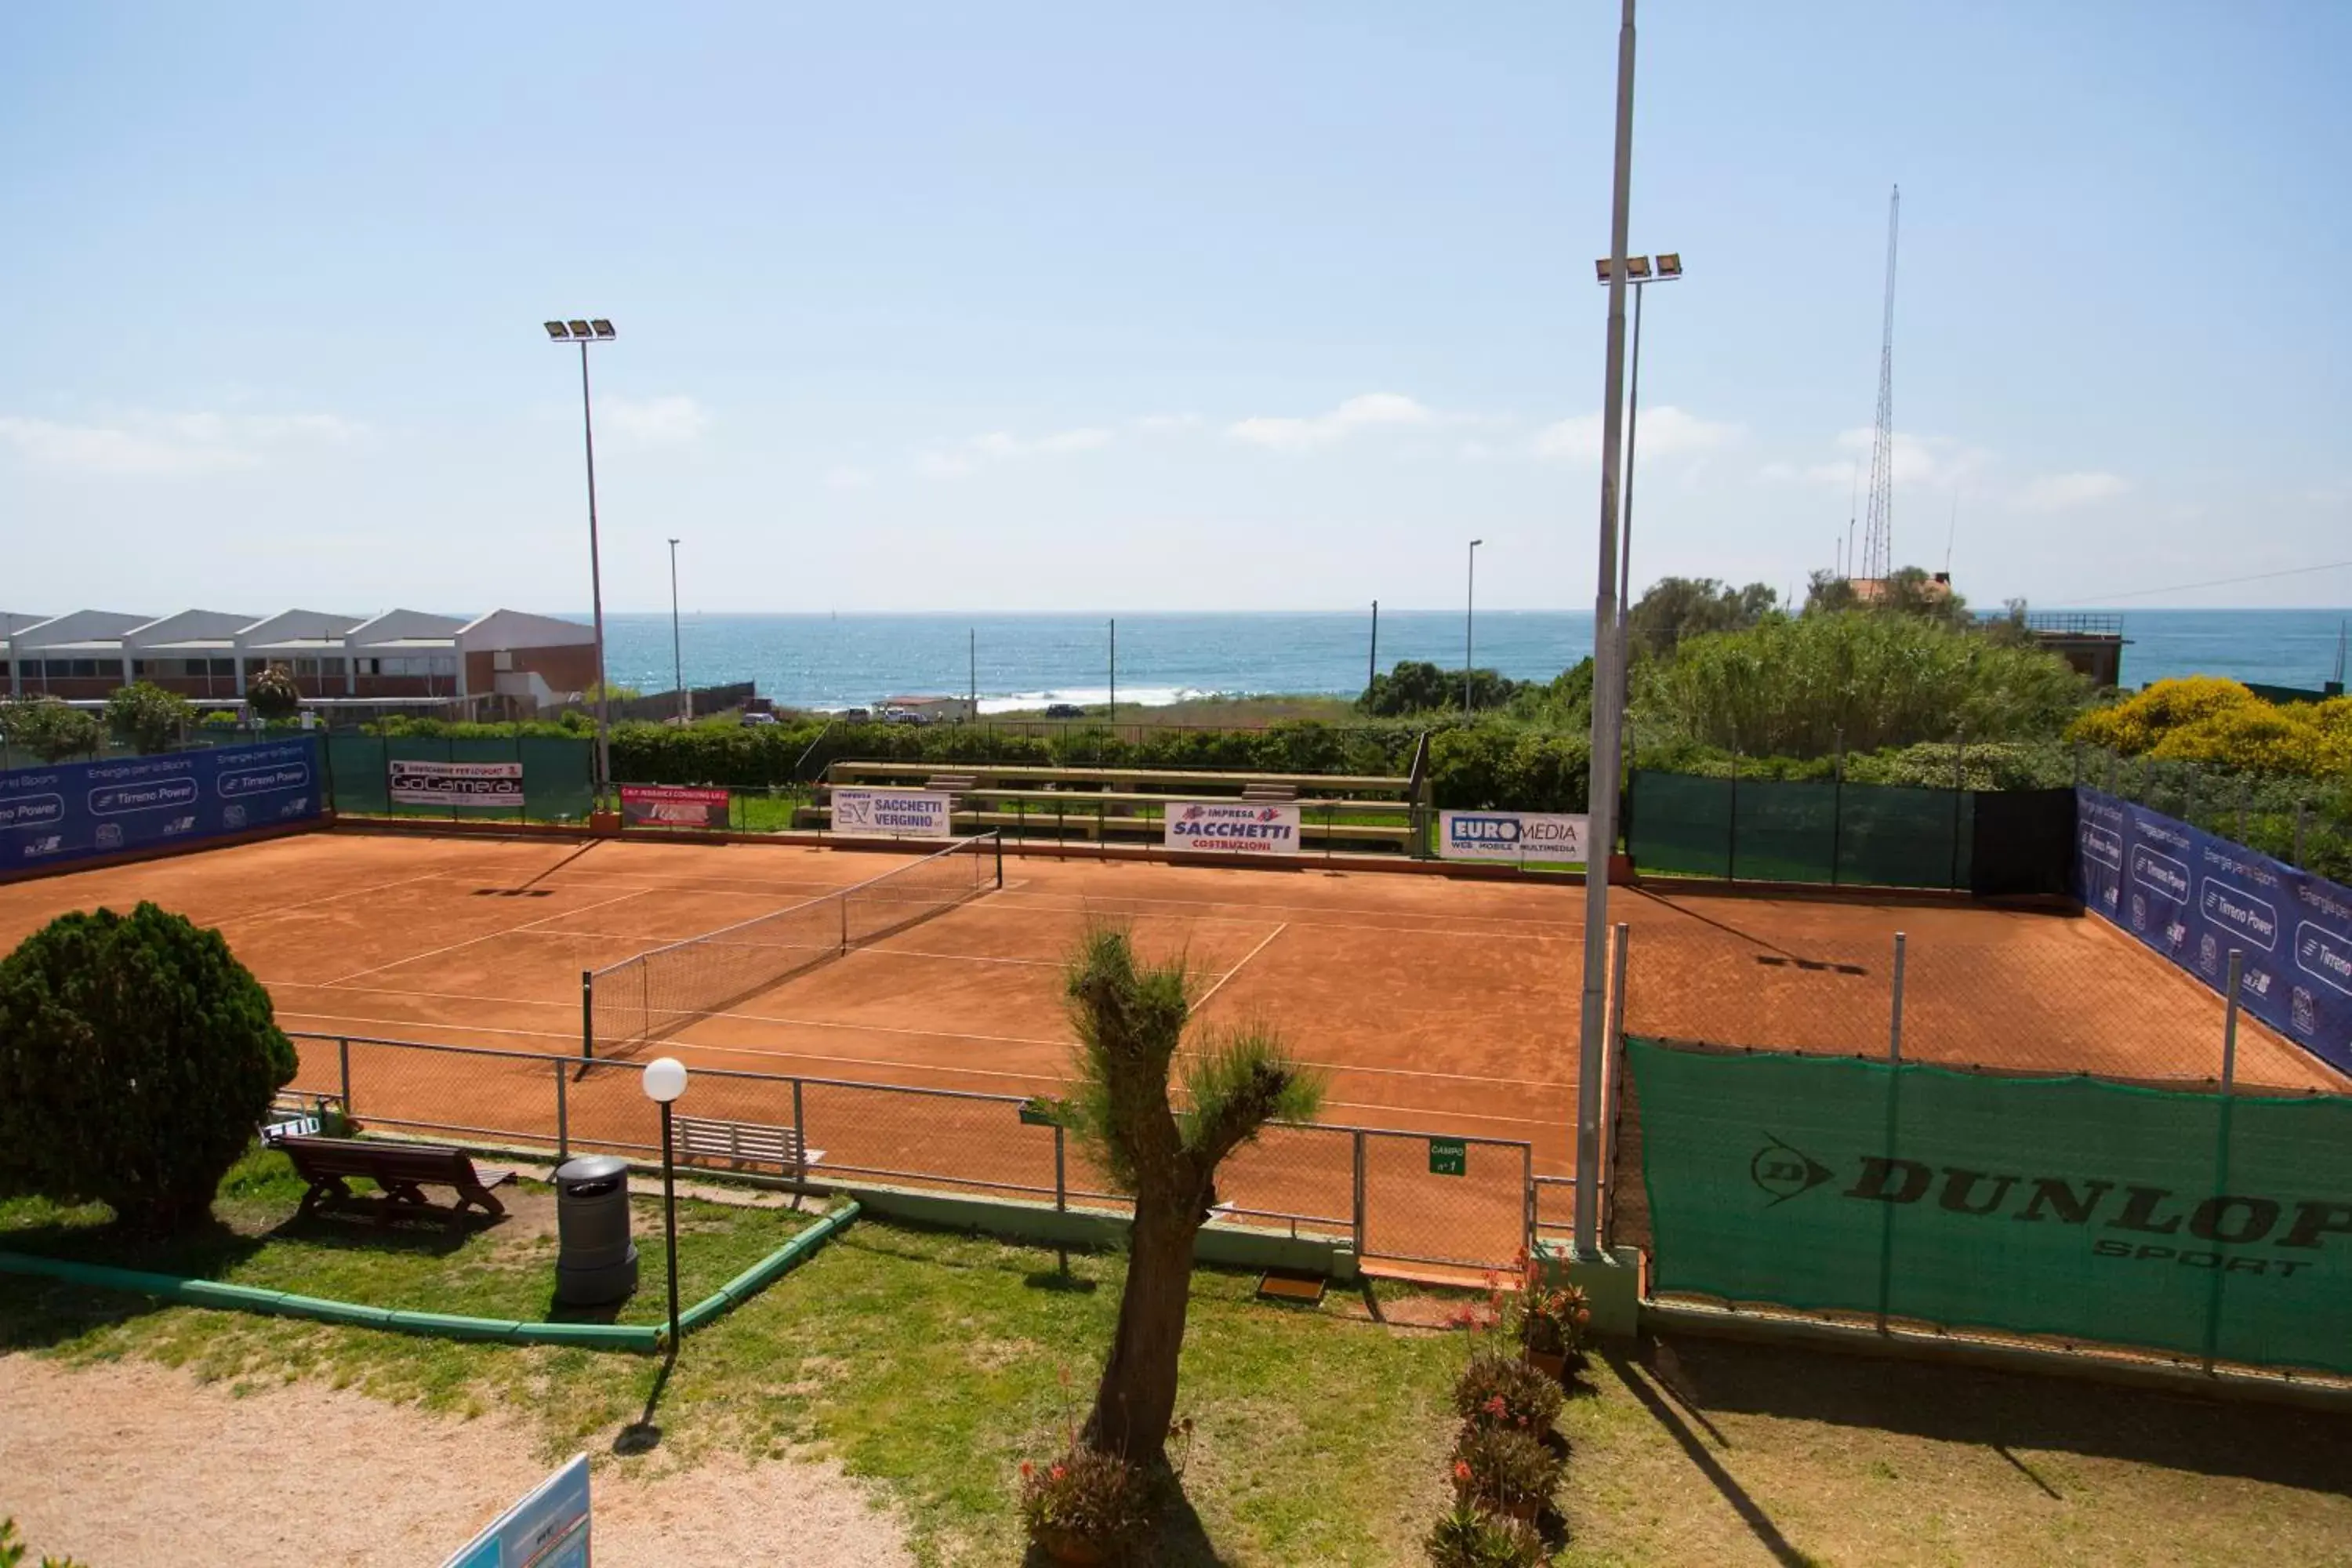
996 843
2230 1024
1837 808
2296 860
800 1126
562 1112
588 1015
1061 1168
1357 1228
1959 791
343 1070
1895 1014
1731 825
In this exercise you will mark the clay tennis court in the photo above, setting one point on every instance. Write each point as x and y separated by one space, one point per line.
1430 1001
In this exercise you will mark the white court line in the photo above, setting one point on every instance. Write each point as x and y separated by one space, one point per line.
490 936
1087 898
1567 932
1202 1005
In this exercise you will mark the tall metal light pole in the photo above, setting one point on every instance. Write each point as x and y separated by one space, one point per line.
1114 670
677 654
1469 613
1609 702
1372 660
598 329
1641 275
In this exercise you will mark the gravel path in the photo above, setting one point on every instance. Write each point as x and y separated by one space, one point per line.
137 1465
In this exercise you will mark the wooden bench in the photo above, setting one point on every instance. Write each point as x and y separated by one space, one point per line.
741 1141
400 1169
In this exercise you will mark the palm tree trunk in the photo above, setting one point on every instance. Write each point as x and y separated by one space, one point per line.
1136 1401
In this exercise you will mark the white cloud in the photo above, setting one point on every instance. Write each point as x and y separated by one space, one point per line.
845 476
145 443
1373 410
1665 431
673 421
2061 492
1164 423
1002 446
1932 460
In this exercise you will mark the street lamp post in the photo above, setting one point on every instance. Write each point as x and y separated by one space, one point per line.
1469 614
1640 273
663 1081
677 654
596 331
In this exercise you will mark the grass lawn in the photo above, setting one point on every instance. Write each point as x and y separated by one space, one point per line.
933 1363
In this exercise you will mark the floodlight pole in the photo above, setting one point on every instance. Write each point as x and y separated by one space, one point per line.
677 654
1608 708
597 591
1469 618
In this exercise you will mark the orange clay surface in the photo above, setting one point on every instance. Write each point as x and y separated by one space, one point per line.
1433 1004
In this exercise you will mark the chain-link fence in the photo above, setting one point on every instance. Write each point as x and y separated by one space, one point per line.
2305 822
1425 1198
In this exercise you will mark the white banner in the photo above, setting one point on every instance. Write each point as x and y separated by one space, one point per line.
912 812
415 783
1232 827
1515 835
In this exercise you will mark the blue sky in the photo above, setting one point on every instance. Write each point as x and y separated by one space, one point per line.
1218 306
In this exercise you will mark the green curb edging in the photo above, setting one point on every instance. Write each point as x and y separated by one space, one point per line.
223 1297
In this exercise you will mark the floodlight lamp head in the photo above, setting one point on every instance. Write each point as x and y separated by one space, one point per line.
580 329
559 332
1670 265
602 327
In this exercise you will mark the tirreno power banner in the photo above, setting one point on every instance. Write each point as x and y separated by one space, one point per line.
54 815
2193 897
2195 1223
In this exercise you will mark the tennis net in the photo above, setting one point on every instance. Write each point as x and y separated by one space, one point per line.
660 991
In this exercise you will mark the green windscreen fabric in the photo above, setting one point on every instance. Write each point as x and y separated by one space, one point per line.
557 777
2190 1222
1782 830
356 773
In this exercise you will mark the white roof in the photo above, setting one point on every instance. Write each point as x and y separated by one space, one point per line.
189 626
298 628
78 629
514 628
405 628
14 621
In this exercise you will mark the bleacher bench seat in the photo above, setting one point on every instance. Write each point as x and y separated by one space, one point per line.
752 1143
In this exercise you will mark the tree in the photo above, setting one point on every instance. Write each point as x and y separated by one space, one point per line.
272 695
1674 608
1130 1018
49 729
1417 686
1827 594
148 716
137 1056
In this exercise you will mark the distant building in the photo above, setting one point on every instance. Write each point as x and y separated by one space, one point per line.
932 709
502 663
2091 643
1870 590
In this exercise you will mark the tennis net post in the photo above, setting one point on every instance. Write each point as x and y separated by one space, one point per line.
588 1015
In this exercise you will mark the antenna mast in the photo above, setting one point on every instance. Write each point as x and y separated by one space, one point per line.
1878 537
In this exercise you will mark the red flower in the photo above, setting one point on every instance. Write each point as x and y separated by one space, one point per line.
1056 1473
1027 1470
1461 1469
1495 1405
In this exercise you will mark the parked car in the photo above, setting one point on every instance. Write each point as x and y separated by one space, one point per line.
759 718
901 716
854 716
1064 710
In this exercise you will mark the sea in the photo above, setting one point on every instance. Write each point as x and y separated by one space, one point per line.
831 661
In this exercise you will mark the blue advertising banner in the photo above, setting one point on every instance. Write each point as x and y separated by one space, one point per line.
2193 897
54 815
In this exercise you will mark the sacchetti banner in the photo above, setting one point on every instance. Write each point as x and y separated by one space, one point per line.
913 813
1232 827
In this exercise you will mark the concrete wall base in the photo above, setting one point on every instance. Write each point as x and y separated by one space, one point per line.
1611 1284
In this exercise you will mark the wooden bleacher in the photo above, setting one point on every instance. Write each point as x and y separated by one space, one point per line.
1354 813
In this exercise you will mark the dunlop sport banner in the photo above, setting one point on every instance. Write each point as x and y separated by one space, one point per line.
2193 897
49 815
2196 1223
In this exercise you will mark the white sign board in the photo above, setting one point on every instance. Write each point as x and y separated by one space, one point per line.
548 1529
912 812
1517 837
416 783
1232 827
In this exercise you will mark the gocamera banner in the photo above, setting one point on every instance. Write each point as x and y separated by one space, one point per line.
412 781
53 815
2195 1223
2193 897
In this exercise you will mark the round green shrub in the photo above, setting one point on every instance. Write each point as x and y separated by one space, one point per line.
137 1058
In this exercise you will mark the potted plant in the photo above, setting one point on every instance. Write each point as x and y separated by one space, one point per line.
1552 1323
1468 1536
1498 1390
1505 1469
1086 1506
